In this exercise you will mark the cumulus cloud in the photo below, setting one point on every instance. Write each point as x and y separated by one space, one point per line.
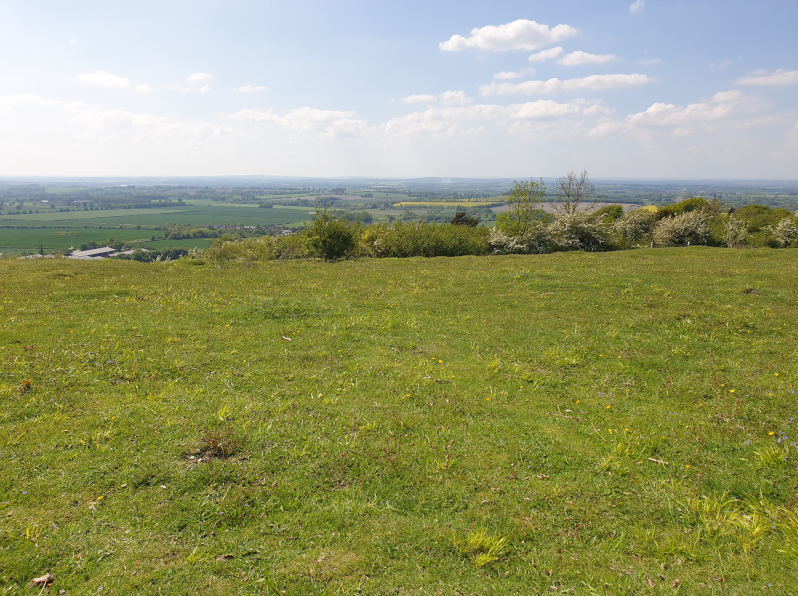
719 113
447 98
579 58
522 34
324 123
549 54
594 82
513 74
101 78
477 119
204 89
637 6
454 98
420 98
250 89
199 77
97 117
25 99
762 78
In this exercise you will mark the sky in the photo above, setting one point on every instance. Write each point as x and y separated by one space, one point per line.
636 89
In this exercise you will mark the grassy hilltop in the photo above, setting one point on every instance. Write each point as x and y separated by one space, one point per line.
610 423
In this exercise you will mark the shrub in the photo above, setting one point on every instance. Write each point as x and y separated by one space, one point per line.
579 230
415 239
536 240
786 232
735 232
634 226
612 212
329 238
690 227
685 206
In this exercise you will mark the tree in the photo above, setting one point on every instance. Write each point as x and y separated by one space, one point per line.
524 202
461 218
573 190
330 238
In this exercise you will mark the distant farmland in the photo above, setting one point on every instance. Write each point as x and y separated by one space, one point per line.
54 230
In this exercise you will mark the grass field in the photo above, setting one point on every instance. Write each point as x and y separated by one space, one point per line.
612 423
448 204
54 230
219 213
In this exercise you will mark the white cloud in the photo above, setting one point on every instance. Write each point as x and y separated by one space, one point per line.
73 41
199 77
25 99
546 108
637 6
514 74
721 112
250 89
481 118
104 79
579 58
595 82
204 89
779 77
143 88
549 54
522 34
420 98
324 123
97 117
454 98
447 98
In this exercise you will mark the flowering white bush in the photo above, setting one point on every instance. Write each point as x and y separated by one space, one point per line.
579 231
786 232
736 232
635 225
535 240
692 227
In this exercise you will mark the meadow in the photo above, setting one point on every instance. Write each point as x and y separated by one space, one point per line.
582 423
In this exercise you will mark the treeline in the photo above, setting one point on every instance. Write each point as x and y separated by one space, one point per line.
692 221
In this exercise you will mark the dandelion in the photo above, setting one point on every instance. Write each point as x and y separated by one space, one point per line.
771 433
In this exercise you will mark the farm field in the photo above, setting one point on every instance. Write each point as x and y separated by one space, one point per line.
17 240
207 213
54 230
449 204
606 423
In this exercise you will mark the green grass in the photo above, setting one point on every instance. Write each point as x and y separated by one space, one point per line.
17 240
599 423
193 214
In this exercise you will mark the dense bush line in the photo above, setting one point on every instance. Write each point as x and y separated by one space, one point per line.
693 221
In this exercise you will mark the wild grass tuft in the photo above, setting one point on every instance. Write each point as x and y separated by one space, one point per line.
481 547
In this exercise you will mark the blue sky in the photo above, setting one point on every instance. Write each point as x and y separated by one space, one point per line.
632 89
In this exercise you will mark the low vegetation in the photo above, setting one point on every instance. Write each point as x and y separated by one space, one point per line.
584 423
524 229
